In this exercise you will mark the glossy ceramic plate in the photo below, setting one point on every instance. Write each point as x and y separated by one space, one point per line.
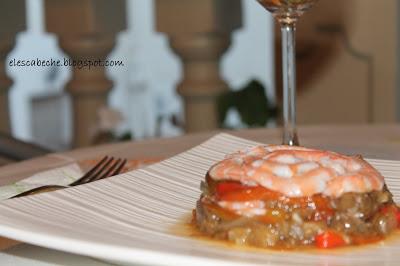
133 218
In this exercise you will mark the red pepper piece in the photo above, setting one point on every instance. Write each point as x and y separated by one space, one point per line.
233 191
392 208
329 239
398 217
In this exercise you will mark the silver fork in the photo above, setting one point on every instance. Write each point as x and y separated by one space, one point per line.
107 167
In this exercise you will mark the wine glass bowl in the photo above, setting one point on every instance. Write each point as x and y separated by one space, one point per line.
287 11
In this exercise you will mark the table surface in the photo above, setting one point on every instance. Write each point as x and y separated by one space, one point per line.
377 141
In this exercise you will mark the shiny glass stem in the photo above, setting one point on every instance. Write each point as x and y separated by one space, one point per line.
289 83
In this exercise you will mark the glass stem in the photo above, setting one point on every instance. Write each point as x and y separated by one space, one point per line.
289 84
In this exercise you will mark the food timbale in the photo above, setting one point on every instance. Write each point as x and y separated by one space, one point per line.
287 197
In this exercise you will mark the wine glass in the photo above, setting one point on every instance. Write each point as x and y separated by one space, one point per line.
287 12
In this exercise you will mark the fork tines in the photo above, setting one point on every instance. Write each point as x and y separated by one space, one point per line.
106 167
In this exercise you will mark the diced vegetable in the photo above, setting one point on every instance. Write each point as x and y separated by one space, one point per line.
392 208
329 239
272 216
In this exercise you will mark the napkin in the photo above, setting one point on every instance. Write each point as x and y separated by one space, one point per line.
62 176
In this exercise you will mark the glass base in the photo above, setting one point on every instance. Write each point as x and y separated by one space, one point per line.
291 140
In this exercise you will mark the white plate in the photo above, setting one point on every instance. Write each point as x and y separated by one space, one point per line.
129 218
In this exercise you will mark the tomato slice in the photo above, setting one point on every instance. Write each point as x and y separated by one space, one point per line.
229 187
235 191
239 192
329 239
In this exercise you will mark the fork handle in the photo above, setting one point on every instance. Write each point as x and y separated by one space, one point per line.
39 190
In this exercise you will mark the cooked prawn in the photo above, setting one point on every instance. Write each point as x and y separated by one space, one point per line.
298 171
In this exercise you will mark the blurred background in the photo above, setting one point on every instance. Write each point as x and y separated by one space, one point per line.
184 66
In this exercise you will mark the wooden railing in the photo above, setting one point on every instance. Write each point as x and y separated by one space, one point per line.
200 32
86 30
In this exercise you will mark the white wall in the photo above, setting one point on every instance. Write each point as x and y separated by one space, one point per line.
145 88
252 52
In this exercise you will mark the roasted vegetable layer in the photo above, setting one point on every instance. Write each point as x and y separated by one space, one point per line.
352 219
